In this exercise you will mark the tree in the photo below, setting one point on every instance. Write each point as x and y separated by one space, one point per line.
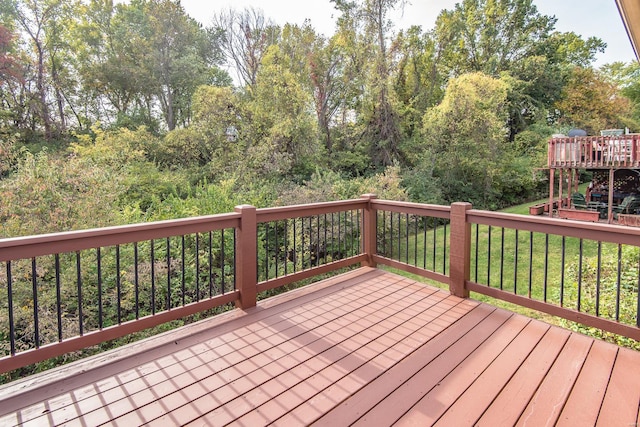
510 36
626 77
147 55
464 139
590 102
38 18
368 22
108 61
9 68
417 80
326 68
245 37
179 62
282 133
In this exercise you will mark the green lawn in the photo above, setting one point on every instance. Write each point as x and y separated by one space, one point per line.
544 267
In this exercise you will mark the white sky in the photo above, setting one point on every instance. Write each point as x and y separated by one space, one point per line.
598 18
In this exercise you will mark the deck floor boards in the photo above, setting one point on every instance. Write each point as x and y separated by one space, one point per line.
366 348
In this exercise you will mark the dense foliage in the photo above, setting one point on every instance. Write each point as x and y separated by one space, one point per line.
116 113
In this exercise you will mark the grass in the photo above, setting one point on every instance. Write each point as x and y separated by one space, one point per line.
561 271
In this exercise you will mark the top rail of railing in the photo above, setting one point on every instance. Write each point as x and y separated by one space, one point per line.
70 241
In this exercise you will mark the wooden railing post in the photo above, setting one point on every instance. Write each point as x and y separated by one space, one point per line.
369 232
460 255
246 257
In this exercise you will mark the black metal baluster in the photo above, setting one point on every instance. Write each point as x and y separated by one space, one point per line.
579 302
424 242
390 248
276 247
415 242
435 233
317 239
399 257
384 233
58 296
34 284
99 266
234 260
79 283
222 263
444 249
477 251
333 242
598 279
340 235
324 244
489 258
118 284
168 302
530 263
295 252
197 267
12 329
353 235
304 242
562 258
286 246
153 279
619 282
183 275
266 251
406 258
211 265
546 266
515 265
502 258
136 278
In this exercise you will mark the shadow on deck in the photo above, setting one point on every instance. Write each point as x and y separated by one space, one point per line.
368 347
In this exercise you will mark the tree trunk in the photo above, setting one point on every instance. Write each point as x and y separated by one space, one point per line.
44 109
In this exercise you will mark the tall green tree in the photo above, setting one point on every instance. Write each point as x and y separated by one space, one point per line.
591 102
418 82
464 139
626 78
511 36
147 54
282 130
41 21
368 22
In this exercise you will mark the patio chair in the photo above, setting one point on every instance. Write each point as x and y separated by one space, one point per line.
629 205
578 201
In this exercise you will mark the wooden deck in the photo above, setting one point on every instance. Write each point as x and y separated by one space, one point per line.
365 348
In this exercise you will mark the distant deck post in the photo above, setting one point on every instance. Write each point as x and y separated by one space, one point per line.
552 177
369 231
460 255
246 257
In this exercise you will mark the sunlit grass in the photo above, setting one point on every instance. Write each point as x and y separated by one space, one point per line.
543 267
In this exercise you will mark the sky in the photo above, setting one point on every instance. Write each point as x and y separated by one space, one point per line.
599 18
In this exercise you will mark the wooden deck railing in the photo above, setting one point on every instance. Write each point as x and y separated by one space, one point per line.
595 152
68 291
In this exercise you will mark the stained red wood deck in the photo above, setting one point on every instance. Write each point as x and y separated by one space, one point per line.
365 348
